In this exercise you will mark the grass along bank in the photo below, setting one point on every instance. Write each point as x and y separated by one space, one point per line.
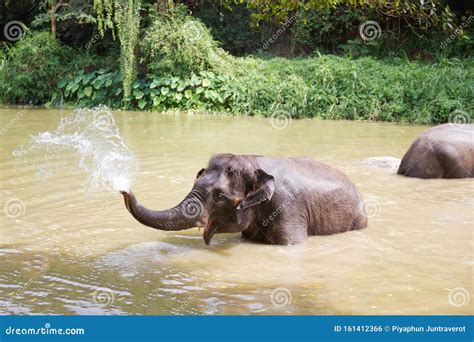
326 86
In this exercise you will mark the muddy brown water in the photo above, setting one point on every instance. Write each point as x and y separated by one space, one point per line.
66 251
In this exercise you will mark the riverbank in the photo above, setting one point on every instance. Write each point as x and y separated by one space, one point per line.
328 87
179 71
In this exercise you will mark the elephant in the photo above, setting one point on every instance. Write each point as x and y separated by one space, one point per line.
279 201
444 151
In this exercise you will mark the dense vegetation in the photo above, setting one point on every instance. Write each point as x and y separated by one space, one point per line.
303 61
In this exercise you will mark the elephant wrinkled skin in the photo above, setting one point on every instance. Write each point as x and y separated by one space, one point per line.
272 200
445 151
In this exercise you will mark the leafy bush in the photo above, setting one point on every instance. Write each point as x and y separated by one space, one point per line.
203 91
328 87
85 90
178 44
325 29
232 27
33 66
333 87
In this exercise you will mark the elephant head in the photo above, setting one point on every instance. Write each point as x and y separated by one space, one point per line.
223 199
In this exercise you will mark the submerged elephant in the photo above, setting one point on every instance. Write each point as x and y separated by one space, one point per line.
272 200
445 151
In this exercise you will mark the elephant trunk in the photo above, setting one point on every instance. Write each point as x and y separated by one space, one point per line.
185 215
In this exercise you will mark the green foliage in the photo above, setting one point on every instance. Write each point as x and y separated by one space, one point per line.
178 44
123 15
424 14
232 28
85 90
104 11
333 87
127 18
33 66
326 28
180 65
410 28
327 87
78 11
203 91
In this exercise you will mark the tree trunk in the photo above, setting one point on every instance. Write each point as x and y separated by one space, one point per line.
53 19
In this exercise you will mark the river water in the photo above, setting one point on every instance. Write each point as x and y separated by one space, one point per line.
66 250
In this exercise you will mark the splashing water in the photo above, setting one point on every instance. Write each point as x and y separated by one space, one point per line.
93 136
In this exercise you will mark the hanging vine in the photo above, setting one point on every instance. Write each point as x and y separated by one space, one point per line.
127 20
124 17
104 10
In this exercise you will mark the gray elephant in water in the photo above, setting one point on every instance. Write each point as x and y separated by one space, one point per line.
445 151
272 200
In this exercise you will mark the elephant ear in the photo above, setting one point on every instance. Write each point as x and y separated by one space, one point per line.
262 192
200 172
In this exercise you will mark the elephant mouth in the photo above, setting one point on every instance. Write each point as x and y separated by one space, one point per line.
213 226
217 226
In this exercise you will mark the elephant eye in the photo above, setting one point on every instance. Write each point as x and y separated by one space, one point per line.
218 195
